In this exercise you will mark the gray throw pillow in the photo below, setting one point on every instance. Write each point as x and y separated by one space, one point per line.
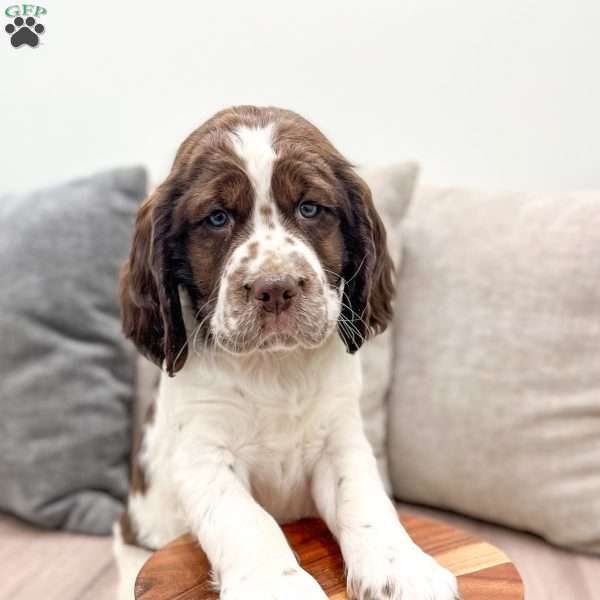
66 372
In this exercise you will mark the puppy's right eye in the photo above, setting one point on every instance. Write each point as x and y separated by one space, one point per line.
309 210
218 219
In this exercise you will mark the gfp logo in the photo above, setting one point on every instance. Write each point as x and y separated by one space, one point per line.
24 29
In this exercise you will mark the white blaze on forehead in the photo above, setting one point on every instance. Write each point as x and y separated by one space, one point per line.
254 146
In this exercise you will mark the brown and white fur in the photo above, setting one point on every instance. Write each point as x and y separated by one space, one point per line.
255 302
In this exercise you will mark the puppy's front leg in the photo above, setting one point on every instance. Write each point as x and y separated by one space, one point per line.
247 550
382 562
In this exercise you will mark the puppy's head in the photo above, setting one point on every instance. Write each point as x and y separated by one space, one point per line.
272 235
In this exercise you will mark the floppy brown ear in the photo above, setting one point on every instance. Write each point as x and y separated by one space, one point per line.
368 268
150 305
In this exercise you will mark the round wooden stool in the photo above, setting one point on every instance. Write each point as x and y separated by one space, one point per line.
180 570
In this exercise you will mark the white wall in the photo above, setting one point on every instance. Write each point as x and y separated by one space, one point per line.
491 93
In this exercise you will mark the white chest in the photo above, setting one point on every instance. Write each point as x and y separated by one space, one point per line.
271 420
275 449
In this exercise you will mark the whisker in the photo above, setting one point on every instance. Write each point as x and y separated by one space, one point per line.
194 333
360 266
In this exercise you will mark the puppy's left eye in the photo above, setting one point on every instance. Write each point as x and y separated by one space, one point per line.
309 210
218 219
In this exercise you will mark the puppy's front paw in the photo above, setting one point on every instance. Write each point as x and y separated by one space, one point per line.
292 583
406 575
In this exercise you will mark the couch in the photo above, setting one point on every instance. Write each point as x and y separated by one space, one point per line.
54 565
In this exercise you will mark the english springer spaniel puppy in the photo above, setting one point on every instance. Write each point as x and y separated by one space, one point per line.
258 269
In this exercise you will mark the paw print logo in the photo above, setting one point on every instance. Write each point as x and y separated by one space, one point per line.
24 32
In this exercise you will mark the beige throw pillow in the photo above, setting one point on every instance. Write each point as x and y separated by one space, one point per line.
392 188
495 401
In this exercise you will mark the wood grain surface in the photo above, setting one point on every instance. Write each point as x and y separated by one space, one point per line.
180 570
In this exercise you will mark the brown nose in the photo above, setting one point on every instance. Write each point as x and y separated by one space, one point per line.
275 292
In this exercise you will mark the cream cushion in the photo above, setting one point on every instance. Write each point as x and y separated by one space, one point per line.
495 401
392 188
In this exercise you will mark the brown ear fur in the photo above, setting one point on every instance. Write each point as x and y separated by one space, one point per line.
368 268
150 305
